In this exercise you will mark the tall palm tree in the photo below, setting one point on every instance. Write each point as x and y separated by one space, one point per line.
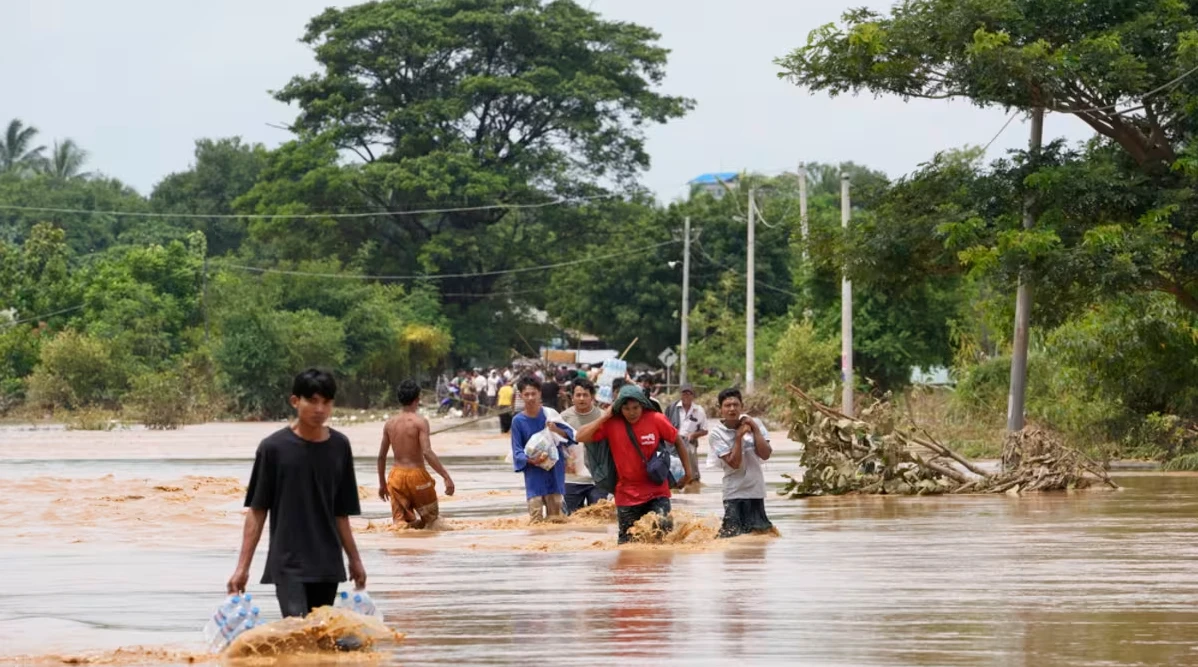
17 152
66 161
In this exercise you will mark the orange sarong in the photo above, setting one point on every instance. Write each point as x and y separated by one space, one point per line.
413 497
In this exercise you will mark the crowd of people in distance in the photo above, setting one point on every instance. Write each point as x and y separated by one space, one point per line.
303 477
564 402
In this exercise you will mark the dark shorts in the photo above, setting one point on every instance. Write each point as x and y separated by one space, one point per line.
745 516
626 516
297 598
582 495
505 421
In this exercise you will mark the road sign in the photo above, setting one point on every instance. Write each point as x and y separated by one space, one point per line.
668 357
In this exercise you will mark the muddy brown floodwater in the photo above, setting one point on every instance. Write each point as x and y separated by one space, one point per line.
125 539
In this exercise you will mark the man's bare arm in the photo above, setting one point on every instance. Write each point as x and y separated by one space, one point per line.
357 572
426 447
386 445
251 533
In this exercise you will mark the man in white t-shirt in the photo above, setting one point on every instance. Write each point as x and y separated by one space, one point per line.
492 387
580 486
738 444
691 421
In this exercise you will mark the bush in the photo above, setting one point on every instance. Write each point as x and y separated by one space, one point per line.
162 400
92 419
1164 437
77 371
803 359
19 351
260 352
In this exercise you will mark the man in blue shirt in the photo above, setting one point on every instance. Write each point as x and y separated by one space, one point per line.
544 489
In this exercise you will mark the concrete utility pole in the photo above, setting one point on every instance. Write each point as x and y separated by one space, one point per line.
1023 301
803 207
751 296
846 310
686 298
204 297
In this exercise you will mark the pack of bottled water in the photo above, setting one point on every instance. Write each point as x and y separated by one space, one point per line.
358 602
612 370
677 470
234 616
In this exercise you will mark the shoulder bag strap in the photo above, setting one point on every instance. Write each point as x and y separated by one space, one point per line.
633 441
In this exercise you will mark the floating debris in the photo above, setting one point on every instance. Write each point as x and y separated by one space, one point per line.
873 454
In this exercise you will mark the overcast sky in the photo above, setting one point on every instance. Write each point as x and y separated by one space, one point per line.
135 82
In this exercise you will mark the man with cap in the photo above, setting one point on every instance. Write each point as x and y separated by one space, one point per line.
636 494
691 421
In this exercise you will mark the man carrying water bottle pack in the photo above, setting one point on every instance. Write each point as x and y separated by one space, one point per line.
303 478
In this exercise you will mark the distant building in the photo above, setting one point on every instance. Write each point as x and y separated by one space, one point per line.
714 183
936 376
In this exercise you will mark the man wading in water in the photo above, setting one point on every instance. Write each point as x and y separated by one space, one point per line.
740 443
409 487
544 489
303 478
580 487
636 495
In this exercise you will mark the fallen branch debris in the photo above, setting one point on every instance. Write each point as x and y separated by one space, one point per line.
874 454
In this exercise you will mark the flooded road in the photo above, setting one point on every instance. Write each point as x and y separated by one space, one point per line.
122 543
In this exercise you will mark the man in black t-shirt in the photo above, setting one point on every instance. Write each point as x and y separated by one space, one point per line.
303 478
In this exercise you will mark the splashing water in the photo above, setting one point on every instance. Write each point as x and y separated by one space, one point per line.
325 630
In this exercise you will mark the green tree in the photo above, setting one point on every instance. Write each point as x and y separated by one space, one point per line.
17 153
66 161
36 277
76 370
224 169
1124 206
146 298
460 103
91 230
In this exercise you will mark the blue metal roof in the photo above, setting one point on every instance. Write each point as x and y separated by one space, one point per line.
715 177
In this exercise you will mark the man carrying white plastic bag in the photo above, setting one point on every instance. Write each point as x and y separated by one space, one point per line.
539 438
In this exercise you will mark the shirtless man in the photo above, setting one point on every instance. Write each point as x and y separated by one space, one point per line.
409 487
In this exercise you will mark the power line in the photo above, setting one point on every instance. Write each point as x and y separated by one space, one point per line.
301 216
1000 131
42 317
445 276
493 294
1112 107
759 281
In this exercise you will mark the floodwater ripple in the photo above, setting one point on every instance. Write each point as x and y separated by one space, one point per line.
1095 578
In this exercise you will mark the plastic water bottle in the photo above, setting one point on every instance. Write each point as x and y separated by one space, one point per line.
364 605
677 471
233 626
359 603
212 629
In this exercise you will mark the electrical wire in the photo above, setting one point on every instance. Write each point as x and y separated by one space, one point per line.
42 317
999 133
301 216
1112 107
757 281
446 276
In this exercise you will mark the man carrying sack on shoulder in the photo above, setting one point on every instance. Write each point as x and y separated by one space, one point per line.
640 439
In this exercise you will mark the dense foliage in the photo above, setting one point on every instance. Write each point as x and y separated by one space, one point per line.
1116 234
462 187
